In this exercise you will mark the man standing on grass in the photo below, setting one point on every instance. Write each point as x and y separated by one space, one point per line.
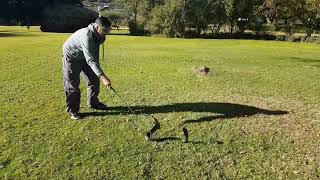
81 54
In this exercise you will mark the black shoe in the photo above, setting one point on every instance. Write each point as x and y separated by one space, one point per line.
99 106
75 116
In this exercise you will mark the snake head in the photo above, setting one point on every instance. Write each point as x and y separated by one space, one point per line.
147 136
186 134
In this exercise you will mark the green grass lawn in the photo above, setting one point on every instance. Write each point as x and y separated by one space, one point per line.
256 115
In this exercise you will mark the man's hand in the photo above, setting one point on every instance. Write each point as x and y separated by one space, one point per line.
106 81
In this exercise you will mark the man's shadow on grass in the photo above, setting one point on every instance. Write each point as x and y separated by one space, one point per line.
222 110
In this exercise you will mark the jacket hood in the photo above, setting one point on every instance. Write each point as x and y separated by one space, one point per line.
93 28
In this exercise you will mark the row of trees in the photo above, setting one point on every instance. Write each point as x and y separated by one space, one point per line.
180 18
177 18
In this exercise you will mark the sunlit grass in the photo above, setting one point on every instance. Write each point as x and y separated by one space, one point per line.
256 114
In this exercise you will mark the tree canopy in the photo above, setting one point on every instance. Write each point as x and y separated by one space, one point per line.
28 12
176 18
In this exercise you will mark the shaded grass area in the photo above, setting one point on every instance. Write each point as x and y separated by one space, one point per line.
256 115
224 110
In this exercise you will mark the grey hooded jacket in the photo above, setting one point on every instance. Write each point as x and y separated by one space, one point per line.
84 45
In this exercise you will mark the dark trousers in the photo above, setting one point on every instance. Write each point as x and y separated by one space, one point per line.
72 68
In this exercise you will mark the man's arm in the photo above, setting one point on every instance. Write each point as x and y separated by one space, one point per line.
91 58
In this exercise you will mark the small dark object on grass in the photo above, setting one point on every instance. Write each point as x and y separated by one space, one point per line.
148 136
186 134
150 133
202 70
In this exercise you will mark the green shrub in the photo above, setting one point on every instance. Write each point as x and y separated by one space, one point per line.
281 38
313 39
66 18
136 29
118 18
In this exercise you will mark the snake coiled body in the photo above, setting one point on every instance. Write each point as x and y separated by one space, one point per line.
149 135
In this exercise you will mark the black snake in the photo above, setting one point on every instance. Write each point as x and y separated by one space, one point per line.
149 135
